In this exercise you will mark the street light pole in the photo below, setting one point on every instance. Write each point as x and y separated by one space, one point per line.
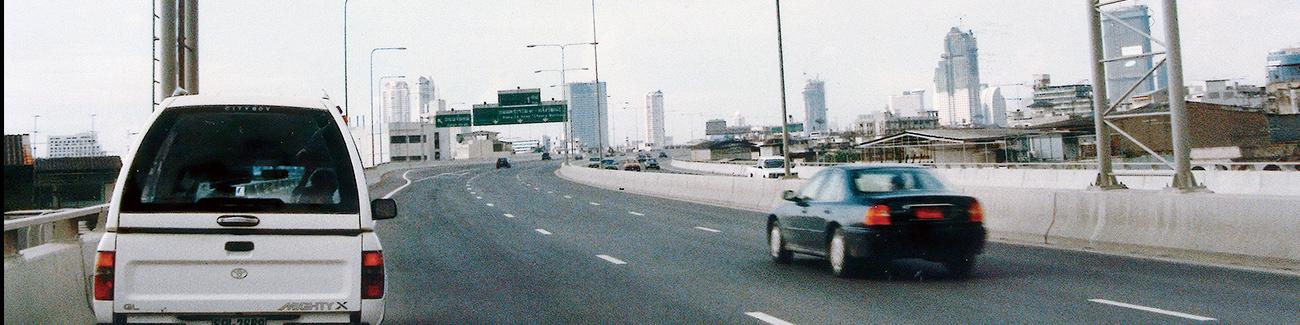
595 55
345 59
373 157
785 118
568 115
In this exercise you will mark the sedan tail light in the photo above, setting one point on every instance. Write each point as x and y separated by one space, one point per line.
372 275
103 278
975 211
877 215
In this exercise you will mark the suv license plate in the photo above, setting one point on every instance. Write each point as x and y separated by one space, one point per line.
239 321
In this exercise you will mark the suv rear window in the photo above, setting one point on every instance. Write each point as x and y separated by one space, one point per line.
242 159
773 163
881 180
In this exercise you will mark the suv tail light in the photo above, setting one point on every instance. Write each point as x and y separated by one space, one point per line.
372 275
103 278
877 215
975 211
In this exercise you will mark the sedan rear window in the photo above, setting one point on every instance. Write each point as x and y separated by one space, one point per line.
242 159
773 163
885 180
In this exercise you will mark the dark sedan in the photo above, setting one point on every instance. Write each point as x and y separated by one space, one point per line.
863 216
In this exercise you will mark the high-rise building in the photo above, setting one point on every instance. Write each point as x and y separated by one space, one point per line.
654 119
1283 87
814 101
396 100
428 96
957 81
994 106
590 115
1119 40
84 144
910 103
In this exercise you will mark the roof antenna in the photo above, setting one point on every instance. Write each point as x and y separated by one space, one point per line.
180 92
324 94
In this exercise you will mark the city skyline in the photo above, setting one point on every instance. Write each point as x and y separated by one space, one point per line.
864 74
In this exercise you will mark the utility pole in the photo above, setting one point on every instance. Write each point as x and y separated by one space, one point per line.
785 117
1105 175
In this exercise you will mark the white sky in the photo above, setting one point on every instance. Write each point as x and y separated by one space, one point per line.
68 59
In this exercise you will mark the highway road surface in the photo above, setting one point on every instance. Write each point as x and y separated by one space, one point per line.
473 244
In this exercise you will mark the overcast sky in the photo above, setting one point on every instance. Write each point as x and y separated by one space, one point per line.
68 59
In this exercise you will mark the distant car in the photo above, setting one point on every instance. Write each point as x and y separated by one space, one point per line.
864 216
577 157
503 163
594 162
768 167
546 156
609 164
651 164
631 164
233 211
663 155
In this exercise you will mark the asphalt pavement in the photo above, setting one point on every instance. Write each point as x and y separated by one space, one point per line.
474 244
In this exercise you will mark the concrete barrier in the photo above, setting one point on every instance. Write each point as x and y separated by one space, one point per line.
1251 230
1217 181
46 284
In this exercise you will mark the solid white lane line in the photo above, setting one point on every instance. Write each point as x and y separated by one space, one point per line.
767 318
1152 309
636 213
568 197
550 192
473 193
542 231
611 259
708 229
404 176
490 204
594 203
508 215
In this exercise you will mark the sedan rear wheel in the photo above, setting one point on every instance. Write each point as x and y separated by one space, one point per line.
842 265
776 245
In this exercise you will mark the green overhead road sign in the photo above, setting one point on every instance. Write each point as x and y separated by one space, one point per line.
546 112
518 97
452 120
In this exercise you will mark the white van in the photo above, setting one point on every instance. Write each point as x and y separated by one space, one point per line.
242 211
768 167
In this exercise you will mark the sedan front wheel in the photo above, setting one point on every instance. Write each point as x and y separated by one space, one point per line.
776 245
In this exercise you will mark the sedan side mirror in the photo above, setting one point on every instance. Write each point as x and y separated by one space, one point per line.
381 209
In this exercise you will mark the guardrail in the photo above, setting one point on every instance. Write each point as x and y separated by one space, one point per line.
24 232
1139 166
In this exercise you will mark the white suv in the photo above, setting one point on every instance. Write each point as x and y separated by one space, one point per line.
768 167
242 211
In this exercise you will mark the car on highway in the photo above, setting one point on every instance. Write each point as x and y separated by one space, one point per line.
242 211
503 163
631 164
594 162
651 164
609 164
862 216
768 167
546 156
663 154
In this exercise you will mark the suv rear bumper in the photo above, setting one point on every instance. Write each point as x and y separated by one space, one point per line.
934 242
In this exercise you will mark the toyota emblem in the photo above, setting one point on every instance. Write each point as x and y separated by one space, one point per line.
239 273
